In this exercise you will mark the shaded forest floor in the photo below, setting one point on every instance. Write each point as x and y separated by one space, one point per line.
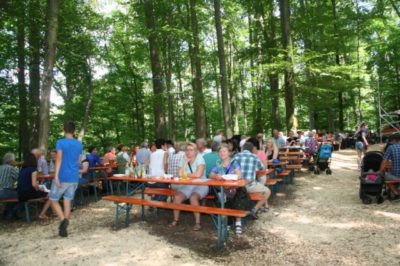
318 220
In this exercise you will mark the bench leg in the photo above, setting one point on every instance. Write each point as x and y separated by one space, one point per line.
27 217
117 217
95 193
127 211
219 232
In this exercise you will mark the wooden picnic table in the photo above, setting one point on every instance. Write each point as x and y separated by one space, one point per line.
43 177
221 223
282 163
103 167
289 153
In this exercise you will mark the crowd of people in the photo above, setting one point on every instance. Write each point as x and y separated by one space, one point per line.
242 156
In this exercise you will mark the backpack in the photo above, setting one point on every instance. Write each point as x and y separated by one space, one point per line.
325 151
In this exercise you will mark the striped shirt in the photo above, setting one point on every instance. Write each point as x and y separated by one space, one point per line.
174 162
249 164
8 176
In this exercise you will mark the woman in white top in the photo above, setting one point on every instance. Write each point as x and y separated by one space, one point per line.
193 166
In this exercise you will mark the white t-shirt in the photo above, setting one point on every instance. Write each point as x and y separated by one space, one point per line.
193 167
157 163
171 151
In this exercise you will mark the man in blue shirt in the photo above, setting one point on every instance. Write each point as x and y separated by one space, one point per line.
211 157
279 141
393 154
66 175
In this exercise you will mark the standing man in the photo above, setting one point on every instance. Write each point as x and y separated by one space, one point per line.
279 141
66 176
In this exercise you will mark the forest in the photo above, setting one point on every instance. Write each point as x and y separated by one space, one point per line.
130 70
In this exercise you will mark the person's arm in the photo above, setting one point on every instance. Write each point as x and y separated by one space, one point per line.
165 161
275 153
58 166
214 174
364 138
85 168
35 185
383 166
238 173
199 171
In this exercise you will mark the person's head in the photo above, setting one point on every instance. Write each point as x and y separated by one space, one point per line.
37 153
121 147
144 145
135 148
248 146
394 138
92 149
260 136
169 143
233 145
311 134
201 144
191 150
9 158
363 125
160 143
29 161
69 127
111 149
300 133
275 133
53 154
180 146
280 134
291 133
270 144
153 147
215 146
224 152
255 143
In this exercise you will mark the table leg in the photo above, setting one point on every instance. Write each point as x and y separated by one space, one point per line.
143 188
219 232
117 217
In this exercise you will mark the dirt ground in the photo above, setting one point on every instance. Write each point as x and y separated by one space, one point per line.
319 220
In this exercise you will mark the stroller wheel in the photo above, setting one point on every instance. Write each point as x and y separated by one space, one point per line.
380 199
328 171
366 200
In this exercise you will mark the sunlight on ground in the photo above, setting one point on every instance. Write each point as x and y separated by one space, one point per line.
394 216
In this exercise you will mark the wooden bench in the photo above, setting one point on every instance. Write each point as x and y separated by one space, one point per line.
26 205
168 192
221 213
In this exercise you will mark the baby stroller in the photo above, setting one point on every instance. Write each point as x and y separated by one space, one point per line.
371 182
323 159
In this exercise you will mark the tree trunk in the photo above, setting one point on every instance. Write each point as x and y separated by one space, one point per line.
34 71
198 97
289 73
273 76
158 89
222 69
23 116
243 101
168 75
89 83
337 59
54 6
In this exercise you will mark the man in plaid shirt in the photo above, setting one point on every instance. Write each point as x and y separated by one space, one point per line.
393 154
249 164
175 160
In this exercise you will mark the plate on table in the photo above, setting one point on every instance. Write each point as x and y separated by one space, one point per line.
230 177
119 175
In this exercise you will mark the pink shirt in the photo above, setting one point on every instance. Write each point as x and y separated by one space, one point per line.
262 156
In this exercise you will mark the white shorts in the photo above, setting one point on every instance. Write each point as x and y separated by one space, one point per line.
202 191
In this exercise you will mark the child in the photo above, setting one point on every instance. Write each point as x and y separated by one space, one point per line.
66 176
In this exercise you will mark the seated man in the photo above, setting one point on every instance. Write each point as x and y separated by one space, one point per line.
279 141
393 154
211 158
93 159
249 164
42 166
8 177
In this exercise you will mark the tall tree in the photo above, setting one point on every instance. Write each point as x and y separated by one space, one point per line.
158 88
51 45
222 69
23 116
197 83
289 73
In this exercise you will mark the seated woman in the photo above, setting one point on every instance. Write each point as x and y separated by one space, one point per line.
291 140
28 187
226 165
83 172
193 166
271 150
